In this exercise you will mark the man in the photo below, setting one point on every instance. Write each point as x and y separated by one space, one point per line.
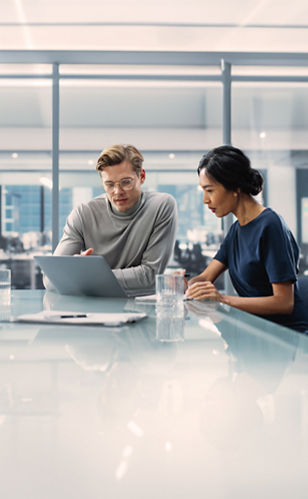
132 229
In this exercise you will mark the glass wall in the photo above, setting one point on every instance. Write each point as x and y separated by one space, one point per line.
173 114
269 121
25 167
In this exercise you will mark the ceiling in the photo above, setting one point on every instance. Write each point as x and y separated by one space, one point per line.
223 25
156 115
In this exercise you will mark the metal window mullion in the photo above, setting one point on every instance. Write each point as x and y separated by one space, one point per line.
226 101
55 156
226 138
42 209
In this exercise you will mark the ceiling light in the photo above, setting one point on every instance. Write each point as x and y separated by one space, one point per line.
46 182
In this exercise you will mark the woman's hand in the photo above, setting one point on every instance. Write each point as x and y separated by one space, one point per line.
203 290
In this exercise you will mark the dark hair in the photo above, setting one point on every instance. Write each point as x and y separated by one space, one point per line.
230 167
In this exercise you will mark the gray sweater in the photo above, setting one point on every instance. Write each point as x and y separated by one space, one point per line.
137 243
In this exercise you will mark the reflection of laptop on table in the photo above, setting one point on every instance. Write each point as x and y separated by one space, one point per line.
81 275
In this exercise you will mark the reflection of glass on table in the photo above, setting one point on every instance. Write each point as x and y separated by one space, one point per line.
170 307
170 322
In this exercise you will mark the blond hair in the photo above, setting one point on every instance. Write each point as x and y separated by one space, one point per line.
118 153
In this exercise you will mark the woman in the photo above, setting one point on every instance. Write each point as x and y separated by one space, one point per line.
259 250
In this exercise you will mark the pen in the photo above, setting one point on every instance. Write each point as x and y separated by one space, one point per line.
72 316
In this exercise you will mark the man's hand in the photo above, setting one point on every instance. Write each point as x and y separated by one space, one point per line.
86 252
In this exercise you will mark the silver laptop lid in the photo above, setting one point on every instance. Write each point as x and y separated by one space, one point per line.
81 275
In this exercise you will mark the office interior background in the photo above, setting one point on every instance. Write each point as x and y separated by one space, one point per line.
173 78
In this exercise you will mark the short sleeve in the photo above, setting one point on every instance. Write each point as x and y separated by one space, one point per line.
279 252
222 253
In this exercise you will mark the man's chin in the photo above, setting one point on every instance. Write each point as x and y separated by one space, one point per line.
121 205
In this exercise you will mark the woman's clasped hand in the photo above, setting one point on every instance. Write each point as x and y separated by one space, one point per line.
203 290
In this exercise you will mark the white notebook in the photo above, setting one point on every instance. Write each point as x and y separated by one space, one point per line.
148 298
81 318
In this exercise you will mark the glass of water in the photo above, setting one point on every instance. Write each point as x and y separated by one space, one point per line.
169 289
169 307
5 293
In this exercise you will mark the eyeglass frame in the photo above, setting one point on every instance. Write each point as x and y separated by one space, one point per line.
111 188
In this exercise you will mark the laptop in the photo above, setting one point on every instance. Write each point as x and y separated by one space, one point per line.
81 275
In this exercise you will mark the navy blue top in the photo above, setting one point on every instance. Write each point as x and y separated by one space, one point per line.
260 253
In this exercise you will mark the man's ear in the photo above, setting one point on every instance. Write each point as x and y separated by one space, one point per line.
142 175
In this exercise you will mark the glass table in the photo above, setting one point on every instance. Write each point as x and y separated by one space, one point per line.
102 412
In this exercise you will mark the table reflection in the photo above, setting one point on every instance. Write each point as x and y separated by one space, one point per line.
127 411
243 401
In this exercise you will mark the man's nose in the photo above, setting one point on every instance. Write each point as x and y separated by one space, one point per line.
117 187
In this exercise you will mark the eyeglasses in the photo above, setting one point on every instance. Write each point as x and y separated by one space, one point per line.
126 184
